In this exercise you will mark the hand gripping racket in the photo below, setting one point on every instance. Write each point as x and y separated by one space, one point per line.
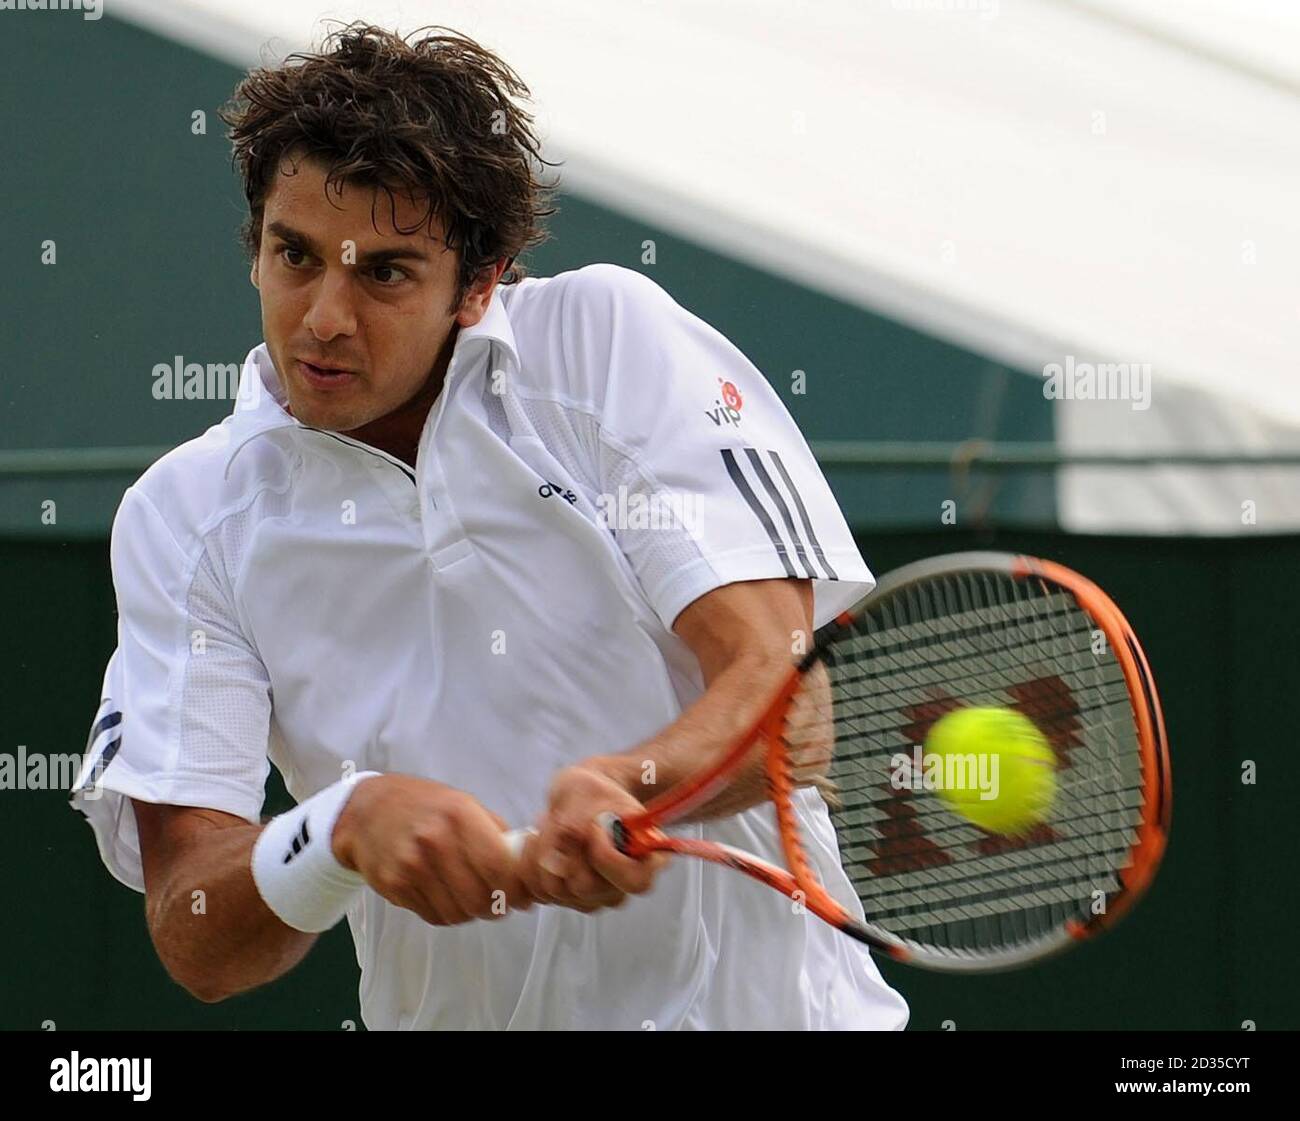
932 888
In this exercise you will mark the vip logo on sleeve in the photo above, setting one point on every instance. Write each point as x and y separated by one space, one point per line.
727 406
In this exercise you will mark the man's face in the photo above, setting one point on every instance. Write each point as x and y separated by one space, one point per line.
337 294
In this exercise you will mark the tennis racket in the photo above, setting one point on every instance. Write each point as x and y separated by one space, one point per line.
931 888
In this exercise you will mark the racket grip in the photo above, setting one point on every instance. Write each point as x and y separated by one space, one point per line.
515 840
613 825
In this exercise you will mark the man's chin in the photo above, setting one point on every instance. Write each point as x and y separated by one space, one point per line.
313 414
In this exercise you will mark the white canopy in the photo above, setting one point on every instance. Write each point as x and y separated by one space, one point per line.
1044 181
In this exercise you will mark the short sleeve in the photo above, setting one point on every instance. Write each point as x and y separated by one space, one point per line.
704 477
184 712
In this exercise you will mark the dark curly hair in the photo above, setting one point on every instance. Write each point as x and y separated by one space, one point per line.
431 117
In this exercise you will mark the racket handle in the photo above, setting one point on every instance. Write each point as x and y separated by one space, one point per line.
516 837
613 825
515 840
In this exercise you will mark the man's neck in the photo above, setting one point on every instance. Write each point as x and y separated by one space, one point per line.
399 432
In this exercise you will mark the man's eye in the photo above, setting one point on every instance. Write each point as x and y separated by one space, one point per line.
395 275
287 255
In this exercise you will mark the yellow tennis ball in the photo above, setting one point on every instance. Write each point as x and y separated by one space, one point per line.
995 768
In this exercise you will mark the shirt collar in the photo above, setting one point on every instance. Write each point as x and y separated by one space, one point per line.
260 402
493 327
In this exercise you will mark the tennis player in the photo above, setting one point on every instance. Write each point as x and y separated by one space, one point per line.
473 551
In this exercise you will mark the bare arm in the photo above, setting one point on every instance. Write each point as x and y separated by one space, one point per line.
419 844
225 941
745 636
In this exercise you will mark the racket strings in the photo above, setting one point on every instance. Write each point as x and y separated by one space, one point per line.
922 871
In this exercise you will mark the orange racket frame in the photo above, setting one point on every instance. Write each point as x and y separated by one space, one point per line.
643 833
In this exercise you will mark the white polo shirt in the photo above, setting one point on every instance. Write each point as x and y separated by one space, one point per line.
598 459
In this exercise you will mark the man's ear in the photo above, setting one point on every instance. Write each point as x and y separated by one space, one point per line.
476 301
252 273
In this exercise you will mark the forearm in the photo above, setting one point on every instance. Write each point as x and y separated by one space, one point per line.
212 931
745 637
734 699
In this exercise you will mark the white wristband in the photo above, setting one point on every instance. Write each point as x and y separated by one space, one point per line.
294 866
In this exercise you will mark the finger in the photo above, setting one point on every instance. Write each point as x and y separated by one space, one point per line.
420 906
551 888
538 884
449 865
526 868
566 837
555 863
582 881
438 899
554 855
588 885
588 908
520 897
579 906
543 886
411 900
594 897
487 898
630 875
429 912
488 855
412 882
487 870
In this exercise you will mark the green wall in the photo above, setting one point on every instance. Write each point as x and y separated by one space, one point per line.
101 158
1208 948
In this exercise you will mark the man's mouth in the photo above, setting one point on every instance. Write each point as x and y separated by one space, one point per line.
323 377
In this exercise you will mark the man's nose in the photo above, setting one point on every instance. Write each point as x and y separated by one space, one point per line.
332 312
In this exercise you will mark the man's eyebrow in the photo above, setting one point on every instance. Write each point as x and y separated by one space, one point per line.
372 257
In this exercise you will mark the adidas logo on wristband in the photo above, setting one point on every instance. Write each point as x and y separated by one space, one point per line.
300 842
